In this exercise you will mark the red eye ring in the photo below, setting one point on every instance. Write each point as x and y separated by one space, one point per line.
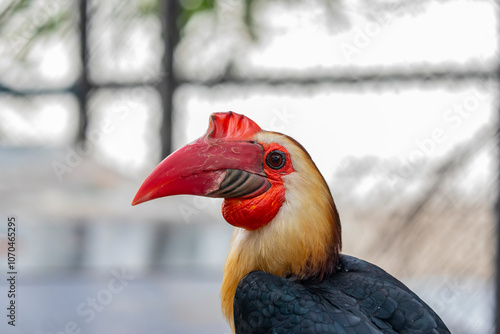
276 159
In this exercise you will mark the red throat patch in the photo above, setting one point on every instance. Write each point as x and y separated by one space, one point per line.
231 125
254 213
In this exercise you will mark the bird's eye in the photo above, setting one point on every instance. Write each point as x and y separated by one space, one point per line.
276 159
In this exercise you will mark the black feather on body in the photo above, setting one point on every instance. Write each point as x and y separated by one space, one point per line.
359 298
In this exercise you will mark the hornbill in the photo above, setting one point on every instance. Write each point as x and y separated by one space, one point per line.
284 272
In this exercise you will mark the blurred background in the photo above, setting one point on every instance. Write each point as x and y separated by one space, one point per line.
395 100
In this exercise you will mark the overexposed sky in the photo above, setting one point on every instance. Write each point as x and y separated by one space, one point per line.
431 32
310 38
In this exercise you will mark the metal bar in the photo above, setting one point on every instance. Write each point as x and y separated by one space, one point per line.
496 319
27 92
397 76
76 88
497 257
375 78
83 85
170 32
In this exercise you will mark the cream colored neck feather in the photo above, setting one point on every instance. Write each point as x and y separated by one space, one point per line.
302 241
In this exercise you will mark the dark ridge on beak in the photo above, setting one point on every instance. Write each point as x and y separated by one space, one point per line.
241 184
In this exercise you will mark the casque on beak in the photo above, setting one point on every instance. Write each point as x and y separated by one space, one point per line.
219 164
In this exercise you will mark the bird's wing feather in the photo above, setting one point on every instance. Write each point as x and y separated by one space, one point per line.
359 298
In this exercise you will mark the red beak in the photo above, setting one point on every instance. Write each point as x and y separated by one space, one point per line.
219 164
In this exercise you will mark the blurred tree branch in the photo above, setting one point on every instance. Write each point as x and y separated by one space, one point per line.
12 8
32 29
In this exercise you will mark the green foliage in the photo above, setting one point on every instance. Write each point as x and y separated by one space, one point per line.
14 7
30 31
191 7
148 7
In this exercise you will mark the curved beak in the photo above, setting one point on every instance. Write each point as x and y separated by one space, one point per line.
225 168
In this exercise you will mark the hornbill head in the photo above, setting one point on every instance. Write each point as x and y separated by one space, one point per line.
229 162
285 218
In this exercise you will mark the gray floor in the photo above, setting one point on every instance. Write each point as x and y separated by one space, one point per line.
157 303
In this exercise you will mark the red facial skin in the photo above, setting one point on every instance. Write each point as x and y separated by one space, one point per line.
254 213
